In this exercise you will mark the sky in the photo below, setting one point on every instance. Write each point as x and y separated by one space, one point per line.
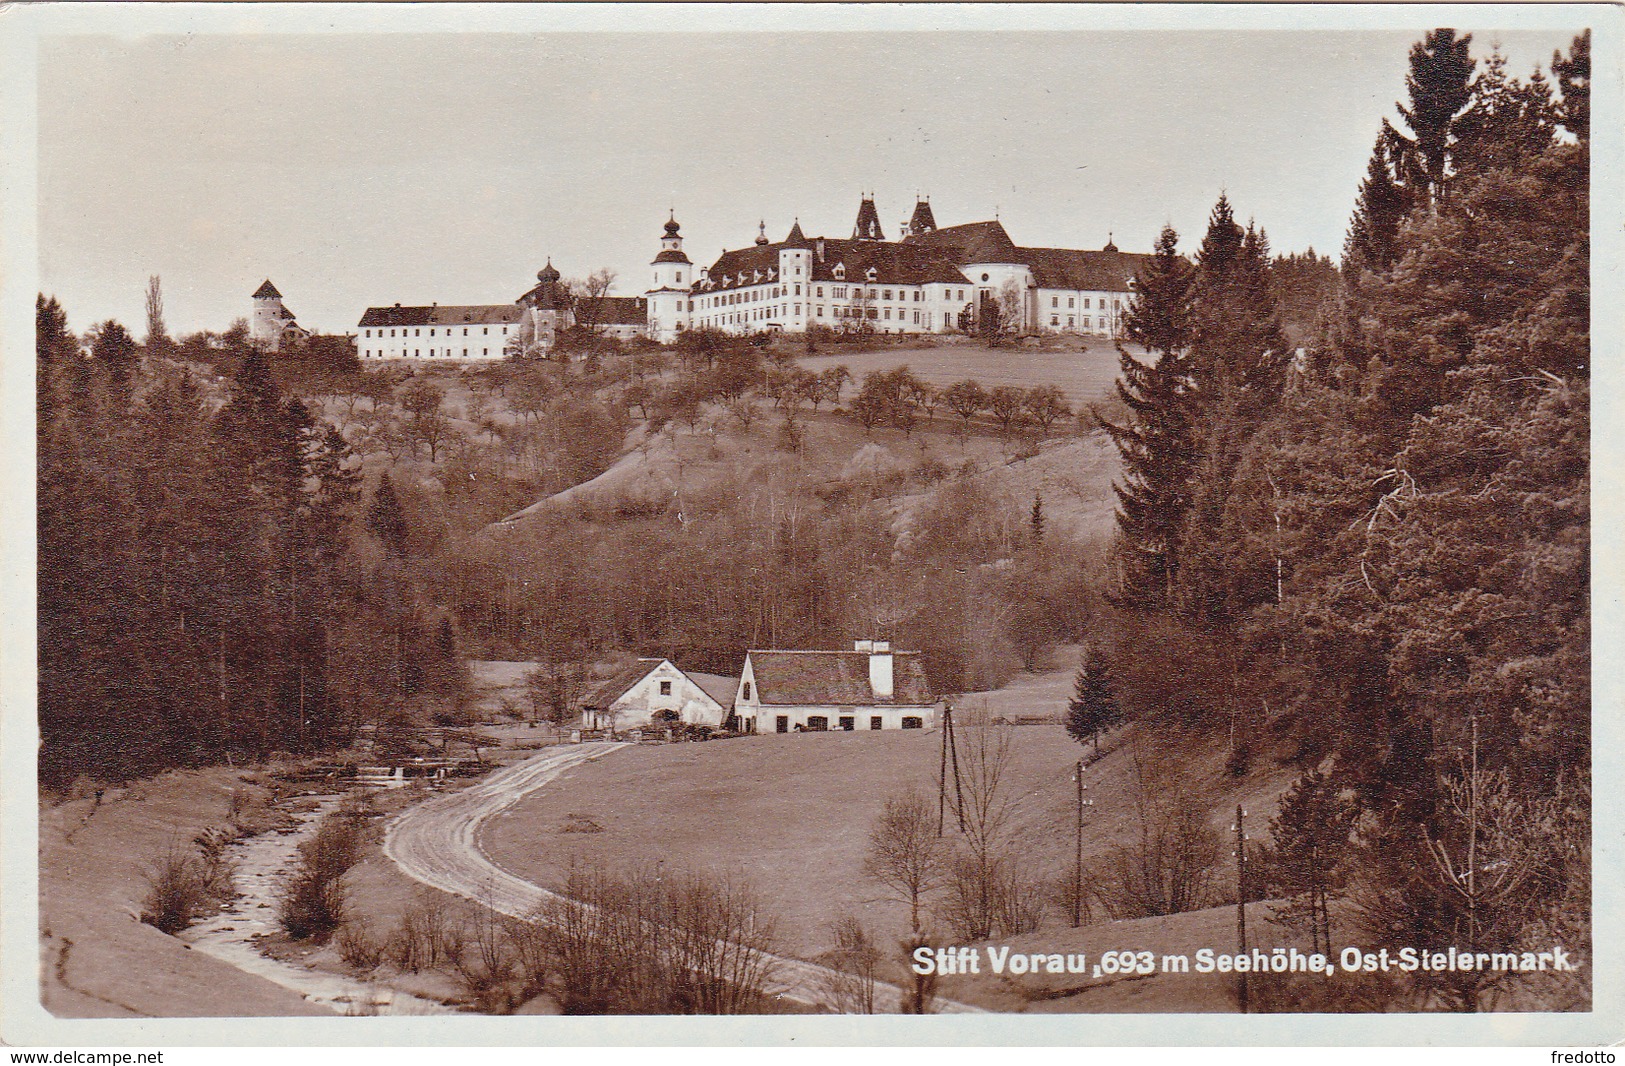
366 168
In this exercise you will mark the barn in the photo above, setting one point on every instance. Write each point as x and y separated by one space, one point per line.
870 687
648 692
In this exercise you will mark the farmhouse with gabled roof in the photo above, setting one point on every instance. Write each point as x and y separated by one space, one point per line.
648 692
870 687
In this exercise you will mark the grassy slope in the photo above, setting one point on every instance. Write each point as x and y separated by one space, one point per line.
91 888
793 813
1085 371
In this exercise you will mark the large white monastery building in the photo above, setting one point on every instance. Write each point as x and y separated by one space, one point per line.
929 280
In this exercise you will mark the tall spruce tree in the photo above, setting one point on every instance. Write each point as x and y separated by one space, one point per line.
1440 87
1383 204
1155 442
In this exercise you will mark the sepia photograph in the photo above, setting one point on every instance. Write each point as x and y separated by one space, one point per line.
668 513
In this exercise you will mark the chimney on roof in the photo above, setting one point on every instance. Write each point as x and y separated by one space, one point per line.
820 249
880 668
863 645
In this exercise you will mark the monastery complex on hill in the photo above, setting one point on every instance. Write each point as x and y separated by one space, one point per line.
929 280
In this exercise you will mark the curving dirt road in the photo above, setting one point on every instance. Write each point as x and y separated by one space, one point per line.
436 842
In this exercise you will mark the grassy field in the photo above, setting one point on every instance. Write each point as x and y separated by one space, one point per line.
1085 372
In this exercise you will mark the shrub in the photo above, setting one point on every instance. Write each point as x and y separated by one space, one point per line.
177 891
356 944
313 898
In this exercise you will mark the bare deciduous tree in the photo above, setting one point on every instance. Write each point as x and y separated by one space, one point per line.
905 853
157 336
853 965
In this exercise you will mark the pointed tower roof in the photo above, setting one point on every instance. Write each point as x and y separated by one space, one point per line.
796 239
1110 247
267 291
923 221
671 224
868 225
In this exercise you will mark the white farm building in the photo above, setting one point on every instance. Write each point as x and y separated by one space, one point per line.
868 688
648 692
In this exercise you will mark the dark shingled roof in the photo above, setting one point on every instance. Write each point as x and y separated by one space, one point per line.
615 685
614 311
267 291
1068 268
671 255
836 679
894 264
973 242
440 315
756 265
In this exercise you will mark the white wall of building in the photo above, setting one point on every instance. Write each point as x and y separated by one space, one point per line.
472 342
665 688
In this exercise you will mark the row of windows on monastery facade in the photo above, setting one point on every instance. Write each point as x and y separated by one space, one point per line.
383 343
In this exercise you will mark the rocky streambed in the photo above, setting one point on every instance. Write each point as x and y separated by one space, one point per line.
234 935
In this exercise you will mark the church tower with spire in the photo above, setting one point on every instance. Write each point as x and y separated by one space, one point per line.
868 224
669 309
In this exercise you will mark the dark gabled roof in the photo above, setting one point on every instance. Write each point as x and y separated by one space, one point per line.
441 315
973 242
835 679
615 685
286 315
796 239
1070 268
756 265
894 264
267 291
614 311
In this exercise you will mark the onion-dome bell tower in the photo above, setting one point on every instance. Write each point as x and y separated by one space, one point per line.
669 309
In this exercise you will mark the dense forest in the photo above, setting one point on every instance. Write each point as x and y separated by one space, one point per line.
201 597
1375 548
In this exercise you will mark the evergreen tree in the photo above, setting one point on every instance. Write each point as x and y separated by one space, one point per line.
1440 86
1309 849
1383 204
1239 363
385 517
1155 443
115 351
1573 73
1093 707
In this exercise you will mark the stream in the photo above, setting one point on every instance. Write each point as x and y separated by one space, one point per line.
232 935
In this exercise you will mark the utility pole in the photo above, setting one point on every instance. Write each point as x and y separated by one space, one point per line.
942 768
1077 860
950 754
1241 901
